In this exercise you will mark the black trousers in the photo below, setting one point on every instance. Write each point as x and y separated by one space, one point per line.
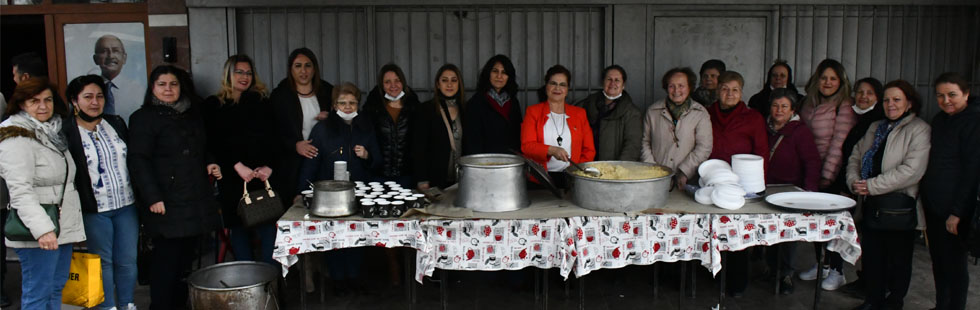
887 257
737 275
830 258
171 261
949 264
3 248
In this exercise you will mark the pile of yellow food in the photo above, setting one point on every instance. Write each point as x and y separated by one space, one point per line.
618 172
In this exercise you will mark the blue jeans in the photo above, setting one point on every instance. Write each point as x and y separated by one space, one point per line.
44 273
241 242
113 235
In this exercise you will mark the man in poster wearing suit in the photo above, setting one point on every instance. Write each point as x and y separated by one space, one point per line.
123 95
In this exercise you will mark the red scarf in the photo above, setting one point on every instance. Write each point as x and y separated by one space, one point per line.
504 110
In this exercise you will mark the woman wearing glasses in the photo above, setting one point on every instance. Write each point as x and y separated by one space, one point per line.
238 142
555 132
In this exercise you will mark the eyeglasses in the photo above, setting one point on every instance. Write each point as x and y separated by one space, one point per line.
556 84
240 72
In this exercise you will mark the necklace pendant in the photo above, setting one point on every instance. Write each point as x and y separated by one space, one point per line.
559 140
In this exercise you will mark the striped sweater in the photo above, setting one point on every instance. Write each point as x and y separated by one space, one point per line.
829 124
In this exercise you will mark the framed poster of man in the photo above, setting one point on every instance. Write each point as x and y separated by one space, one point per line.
114 51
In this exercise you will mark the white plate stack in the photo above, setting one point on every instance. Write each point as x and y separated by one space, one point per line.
751 172
719 186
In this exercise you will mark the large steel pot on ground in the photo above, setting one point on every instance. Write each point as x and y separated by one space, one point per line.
234 286
492 183
619 195
332 198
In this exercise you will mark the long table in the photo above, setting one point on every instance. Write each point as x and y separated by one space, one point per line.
554 233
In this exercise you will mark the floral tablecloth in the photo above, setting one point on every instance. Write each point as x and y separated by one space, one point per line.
575 244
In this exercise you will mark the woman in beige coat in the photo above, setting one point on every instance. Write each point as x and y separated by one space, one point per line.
884 170
677 133
35 161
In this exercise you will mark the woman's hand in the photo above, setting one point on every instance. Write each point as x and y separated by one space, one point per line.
423 186
360 151
306 149
558 153
681 181
860 187
48 241
951 223
244 172
263 173
214 170
158 208
322 115
824 183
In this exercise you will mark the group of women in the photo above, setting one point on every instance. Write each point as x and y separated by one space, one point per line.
161 171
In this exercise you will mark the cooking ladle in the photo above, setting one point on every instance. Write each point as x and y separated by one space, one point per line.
591 171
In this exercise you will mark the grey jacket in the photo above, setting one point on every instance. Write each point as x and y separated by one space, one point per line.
682 147
619 132
35 173
903 163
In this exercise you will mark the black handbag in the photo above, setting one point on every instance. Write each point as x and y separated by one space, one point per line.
891 211
259 206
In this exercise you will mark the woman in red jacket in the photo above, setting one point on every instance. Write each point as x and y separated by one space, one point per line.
555 132
737 129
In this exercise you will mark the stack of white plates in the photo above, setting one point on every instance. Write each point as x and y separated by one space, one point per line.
751 172
719 185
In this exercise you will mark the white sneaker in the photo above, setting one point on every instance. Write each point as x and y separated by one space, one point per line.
833 281
131 306
811 274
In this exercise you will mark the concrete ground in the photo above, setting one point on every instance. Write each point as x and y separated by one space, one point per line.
617 289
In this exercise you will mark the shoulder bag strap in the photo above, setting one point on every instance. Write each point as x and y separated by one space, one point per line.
445 121
772 150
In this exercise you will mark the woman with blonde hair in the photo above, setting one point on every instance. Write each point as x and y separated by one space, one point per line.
237 141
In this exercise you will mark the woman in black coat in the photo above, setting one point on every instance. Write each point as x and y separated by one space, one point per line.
234 118
438 137
345 135
949 188
170 166
300 100
493 115
391 106
780 76
867 106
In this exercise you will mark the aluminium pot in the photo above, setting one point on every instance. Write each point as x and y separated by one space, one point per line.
619 195
244 285
333 198
492 183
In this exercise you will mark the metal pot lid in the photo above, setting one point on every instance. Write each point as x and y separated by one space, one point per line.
538 172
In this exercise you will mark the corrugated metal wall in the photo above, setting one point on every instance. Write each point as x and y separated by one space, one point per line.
915 43
353 42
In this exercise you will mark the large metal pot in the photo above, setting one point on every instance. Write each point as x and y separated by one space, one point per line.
619 195
332 198
234 286
492 183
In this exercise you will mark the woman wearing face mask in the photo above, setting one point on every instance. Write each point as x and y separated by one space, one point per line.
493 114
391 105
345 135
707 93
614 119
299 102
867 94
555 133
35 162
827 111
170 167
779 76
949 188
239 143
677 132
438 136
98 143
886 166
